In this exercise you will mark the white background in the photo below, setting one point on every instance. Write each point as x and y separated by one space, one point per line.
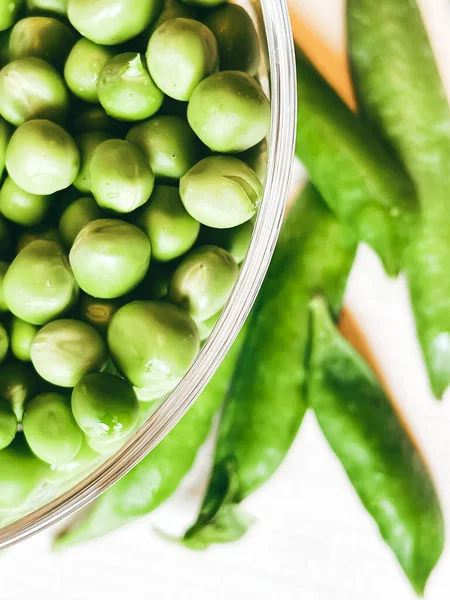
312 540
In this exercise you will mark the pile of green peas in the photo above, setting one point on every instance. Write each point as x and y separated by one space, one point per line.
130 146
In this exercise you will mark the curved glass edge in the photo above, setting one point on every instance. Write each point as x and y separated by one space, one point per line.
267 228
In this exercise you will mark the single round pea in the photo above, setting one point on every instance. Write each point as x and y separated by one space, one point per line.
203 281
41 37
108 24
22 334
83 67
42 158
22 207
51 430
87 144
221 192
4 343
109 258
65 350
52 7
121 179
39 286
98 312
229 112
169 145
92 119
236 37
171 230
18 384
181 53
76 216
8 424
4 140
30 88
20 474
29 236
153 344
4 266
126 90
106 409
9 9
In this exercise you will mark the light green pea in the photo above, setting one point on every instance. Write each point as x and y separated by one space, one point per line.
22 334
52 7
22 207
181 53
169 227
83 67
110 258
9 9
153 344
121 179
229 112
76 216
39 286
4 266
65 350
169 145
42 158
87 144
8 424
221 192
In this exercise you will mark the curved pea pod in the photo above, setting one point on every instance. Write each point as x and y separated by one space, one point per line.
361 182
382 462
401 94
158 475
266 401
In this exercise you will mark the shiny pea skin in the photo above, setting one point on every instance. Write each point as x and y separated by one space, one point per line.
42 158
221 192
31 88
181 53
4 266
76 216
126 90
169 227
87 144
22 207
8 424
153 344
110 258
236 37
22 334
9 10
18 384
105 407
65 350
169 145
83 67
39 286
229 112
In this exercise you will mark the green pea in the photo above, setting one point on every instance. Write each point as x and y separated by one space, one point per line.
4 343
171 230
229 112
51 430
87 144
92 119
103 23
205 327
39 286
30 88
98 312
49 235
181 53
18 384
169 145
22 334
22 207
8 424
42 157
9 9
236 37
65 350
106 409
121 179
221 192
41 37
204 281
235 240
153 344
4 139
20 474
83 67
56 7
110 258
126 90
76 216
4 266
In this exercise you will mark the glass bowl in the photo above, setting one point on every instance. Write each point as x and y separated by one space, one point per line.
277 76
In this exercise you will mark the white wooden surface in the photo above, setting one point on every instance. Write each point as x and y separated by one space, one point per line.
312 539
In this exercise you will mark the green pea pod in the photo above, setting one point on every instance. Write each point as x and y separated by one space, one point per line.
158 475
385 468
401 94
266 403
360 181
